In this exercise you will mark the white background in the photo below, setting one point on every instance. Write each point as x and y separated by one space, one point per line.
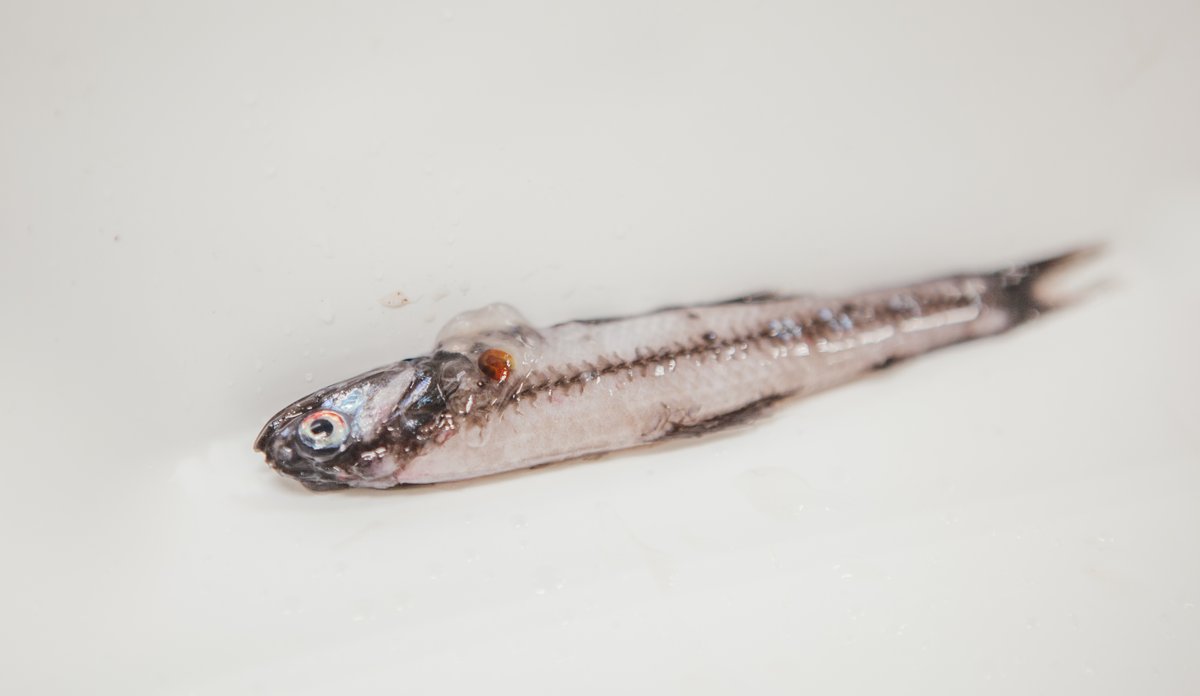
202 204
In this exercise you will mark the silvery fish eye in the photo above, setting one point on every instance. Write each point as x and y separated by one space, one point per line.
323 430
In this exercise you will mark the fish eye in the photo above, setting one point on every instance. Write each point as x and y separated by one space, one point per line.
323 430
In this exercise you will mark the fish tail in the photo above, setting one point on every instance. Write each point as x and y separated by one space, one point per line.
1028 290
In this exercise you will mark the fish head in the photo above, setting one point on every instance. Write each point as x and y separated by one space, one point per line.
358 432
364 431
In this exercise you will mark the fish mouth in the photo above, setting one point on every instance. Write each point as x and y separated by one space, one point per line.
260 442
284 459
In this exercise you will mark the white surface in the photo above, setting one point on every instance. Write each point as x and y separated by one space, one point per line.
203 204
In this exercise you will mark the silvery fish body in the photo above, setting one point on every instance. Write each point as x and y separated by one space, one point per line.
497 394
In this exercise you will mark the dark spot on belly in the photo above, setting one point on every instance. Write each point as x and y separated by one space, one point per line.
887 362
731 419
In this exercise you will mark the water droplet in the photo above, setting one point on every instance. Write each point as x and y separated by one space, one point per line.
325 311
308 376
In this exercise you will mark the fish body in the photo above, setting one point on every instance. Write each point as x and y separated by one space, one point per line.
498 394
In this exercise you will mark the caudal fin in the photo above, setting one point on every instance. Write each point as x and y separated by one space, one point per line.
1028 290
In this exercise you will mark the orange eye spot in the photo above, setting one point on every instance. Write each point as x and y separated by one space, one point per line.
496 364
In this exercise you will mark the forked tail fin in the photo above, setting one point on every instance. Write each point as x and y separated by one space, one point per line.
1031 289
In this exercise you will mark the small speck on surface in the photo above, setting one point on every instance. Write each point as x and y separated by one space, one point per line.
394 300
